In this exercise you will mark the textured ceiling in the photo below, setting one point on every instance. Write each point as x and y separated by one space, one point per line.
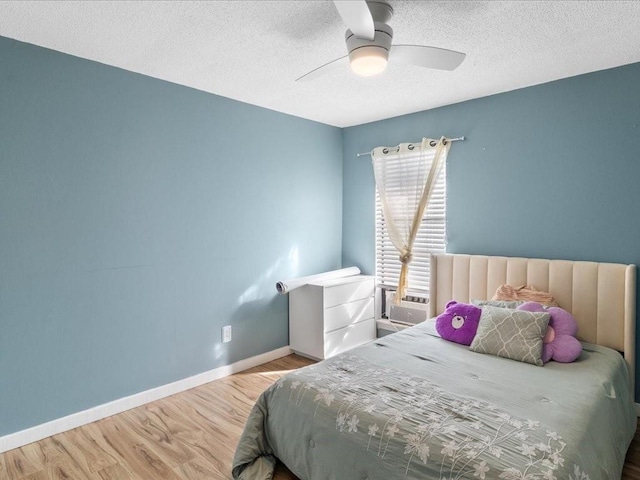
253 51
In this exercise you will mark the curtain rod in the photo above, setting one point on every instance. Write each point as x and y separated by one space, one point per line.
371 152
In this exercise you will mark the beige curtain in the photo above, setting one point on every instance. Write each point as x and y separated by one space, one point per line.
405 178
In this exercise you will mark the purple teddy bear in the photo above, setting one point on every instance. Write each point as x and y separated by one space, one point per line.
459 322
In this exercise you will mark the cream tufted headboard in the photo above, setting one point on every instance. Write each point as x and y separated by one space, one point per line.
601 296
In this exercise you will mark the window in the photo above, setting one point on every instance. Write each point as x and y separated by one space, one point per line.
431 237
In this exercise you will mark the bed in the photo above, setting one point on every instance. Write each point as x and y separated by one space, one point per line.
412 405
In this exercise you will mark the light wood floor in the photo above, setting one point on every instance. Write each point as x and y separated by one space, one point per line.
191 435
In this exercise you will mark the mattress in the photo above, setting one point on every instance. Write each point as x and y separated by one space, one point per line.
412 405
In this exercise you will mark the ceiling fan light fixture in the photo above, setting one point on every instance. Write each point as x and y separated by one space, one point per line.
369 45
368 61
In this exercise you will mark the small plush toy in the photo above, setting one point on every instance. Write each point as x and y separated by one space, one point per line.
560 343
459 322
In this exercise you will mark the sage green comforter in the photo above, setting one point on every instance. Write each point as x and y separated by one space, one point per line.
414 406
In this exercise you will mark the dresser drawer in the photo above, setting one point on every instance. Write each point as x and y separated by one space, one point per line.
329 316
347 314
348 292
348 337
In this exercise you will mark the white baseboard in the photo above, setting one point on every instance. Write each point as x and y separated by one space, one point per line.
59 425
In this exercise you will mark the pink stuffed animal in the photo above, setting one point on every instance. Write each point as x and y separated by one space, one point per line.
559 343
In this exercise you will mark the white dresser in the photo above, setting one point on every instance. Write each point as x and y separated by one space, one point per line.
331 316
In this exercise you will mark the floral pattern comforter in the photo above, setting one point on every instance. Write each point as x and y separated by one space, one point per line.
417 407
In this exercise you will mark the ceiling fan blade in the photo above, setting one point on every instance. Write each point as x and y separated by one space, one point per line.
332 66
427 57
357 17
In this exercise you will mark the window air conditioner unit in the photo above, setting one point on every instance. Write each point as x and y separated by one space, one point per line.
412 309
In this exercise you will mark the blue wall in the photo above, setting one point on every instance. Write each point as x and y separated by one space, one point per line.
550 171
138 217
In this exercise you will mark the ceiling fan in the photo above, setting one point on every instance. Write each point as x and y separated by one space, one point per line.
369 39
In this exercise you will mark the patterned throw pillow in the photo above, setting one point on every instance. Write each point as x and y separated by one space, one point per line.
514 334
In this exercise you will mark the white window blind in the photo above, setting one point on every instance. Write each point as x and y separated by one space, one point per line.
431 237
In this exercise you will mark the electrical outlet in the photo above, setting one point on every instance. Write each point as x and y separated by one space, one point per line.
226 334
